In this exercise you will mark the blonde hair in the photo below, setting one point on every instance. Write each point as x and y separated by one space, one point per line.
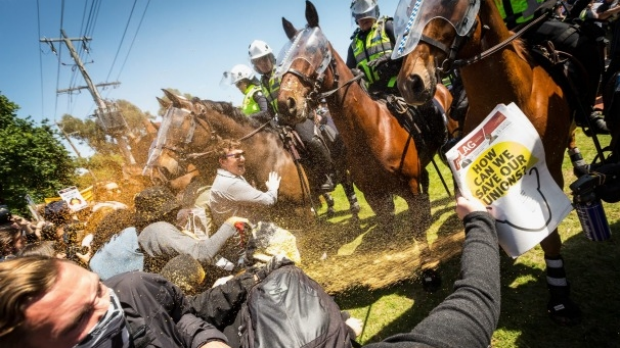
22 280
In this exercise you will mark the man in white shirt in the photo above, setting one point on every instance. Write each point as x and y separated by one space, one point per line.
231 194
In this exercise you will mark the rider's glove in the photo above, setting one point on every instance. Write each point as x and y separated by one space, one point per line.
379 62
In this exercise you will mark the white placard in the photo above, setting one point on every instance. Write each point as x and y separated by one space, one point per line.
501 163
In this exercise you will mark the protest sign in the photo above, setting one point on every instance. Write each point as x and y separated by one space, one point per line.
74 198
501 163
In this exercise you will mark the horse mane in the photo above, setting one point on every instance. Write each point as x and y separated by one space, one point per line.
228 110
520 49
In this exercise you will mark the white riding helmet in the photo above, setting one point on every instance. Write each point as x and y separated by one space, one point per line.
259 49
361 9
240 72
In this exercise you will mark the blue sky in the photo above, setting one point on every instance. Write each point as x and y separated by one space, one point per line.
183 44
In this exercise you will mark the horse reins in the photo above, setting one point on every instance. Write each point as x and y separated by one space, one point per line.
450 63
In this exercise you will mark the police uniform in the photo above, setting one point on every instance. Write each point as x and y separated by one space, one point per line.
249 105
369 45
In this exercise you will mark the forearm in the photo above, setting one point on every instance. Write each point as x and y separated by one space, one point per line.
196 332
262 102
468 317
246 194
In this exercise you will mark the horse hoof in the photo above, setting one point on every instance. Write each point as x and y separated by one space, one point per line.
431 280
331 212
563 311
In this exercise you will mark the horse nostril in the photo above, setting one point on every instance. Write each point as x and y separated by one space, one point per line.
416 83
291 106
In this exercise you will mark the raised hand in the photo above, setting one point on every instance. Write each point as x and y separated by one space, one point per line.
273 183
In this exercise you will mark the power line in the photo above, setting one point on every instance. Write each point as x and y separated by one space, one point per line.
41 62
62 15
134 39
122 39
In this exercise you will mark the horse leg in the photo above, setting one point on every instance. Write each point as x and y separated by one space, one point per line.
330 204
560 307
382 204
349 191
580 167
420 211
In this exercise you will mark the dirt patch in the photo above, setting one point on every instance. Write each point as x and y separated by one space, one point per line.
349 255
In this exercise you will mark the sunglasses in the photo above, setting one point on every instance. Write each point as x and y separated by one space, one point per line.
236 155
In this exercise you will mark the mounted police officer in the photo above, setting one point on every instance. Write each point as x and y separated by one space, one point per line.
264 61
371 48
243 77
582 40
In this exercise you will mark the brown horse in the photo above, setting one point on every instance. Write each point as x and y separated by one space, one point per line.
385 159
190 129
458 29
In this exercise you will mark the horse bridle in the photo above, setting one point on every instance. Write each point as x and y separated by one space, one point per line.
314 96
450 62
181 154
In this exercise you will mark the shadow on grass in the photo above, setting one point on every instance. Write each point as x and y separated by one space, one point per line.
593 269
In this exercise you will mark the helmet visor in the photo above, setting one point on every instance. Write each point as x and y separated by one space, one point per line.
227 79
310 45
171 121
361 9
413 15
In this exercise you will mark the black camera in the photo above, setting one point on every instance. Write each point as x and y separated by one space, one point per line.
5 214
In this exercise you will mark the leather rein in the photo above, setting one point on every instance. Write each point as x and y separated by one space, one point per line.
451 63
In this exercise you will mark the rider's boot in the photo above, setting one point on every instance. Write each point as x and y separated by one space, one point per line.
323 163
597 123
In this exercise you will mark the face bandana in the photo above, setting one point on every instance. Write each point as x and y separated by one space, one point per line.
110 331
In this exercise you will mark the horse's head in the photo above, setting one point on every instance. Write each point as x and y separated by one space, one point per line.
429 33
302 67
183 132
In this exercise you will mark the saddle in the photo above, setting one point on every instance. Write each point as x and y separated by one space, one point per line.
417 121
568 71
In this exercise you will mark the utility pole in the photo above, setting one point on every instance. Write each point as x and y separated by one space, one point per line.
108 116
62 130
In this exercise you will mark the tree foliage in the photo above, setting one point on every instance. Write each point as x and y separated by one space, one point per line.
33 159
139 133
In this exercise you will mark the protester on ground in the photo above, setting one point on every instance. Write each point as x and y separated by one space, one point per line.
231 194
184 272
286 308
469 316
160 240
115 247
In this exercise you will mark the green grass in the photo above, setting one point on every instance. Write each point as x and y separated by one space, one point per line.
398 305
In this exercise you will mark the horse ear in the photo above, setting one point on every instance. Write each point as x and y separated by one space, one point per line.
164 104
173 98
289 29
311 15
